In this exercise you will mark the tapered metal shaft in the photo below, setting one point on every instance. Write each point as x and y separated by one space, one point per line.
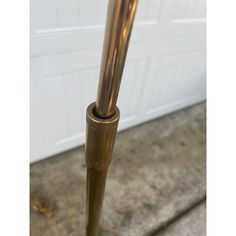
120 19
103 116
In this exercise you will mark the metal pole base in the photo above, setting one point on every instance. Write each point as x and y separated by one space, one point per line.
96 181
101 135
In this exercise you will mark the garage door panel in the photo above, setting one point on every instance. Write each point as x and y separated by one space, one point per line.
66 14
43 44
183 10
164 70
67 26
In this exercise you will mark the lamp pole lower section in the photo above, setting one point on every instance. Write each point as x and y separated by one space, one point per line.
96 181
103 116
100 137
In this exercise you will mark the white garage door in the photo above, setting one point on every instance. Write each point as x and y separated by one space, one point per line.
164 71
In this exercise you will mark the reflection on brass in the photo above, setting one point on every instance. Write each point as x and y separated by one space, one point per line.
118 29
103 116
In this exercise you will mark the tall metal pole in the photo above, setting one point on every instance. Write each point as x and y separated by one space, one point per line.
103 116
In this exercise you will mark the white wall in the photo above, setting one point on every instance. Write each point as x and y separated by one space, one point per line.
164 71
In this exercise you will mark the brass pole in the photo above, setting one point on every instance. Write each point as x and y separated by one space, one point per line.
103 116
120 19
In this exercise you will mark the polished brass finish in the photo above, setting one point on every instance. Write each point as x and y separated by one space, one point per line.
118 29
101 135
96 181
103 116
100 138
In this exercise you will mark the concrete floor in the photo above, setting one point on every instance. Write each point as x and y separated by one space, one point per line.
157 173
191 223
